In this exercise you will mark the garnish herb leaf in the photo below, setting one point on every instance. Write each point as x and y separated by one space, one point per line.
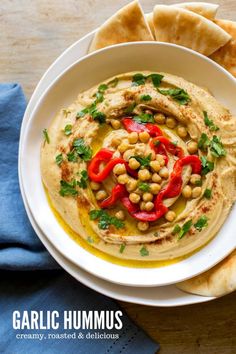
130 108
82 150
201 222
178 94
66 112
216 147
207 194
68 188
144 161
176 229
144 252
209 123
185 229
203 142
145 187
83 180
46 136
99 97
105 219
138 79
59 159
92 110
207 166
122 247
114 82
68 129
82 113
156 79
72 156
145 97
144 118
102 88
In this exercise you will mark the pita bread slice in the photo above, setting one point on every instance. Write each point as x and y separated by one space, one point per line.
149 18
226 55
204 9
218 281
127 25
186 28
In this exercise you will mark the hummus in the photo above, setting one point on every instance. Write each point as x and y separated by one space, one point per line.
142 166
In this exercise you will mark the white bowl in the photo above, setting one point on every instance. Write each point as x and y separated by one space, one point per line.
87 72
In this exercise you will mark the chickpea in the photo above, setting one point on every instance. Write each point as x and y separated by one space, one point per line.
144 175
128 154
101 194
142 225
116 142
149 206
123 179
155 188
171 122
182 131
160 159
170 215
187 192
196 179
95 186
115 124
123 146
160 118
192 147
155 166
120 215
164 173
144 137
147 197
142 206
134 198
133 138
196 192
133 163
131 185
119 169
156 178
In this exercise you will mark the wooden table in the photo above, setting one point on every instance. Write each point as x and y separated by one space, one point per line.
33 34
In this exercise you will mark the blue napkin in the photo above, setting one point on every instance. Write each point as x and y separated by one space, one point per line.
44 289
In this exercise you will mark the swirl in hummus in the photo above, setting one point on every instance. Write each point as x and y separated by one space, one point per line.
146 161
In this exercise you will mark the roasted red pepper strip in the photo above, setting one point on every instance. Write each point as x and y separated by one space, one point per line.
105 155
170 147
132 126
131 207
117 193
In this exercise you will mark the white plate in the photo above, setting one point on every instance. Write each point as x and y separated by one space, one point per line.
80 76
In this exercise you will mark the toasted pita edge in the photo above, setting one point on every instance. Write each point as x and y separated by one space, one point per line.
204 9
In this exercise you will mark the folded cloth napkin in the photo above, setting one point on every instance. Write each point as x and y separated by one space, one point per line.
43 290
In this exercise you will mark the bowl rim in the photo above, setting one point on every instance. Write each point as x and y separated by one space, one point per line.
37 107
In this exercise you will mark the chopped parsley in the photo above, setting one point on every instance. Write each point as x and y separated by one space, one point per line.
144 118
207 194
209 123
99 97
144 252
92 110
59 159
83 151
102 88
68 188
72 156
207 166
140 79
144 161
68 129
145 187
130 108
66 112
105 219
145 98
216 147
114 82
176 229
203 142
46 136
202 222
122 247
83 180
178 94
198 182
185 229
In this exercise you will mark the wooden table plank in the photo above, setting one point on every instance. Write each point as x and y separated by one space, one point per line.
33 34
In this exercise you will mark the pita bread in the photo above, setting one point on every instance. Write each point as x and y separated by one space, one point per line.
218 281
204 9
149 18
186 28
226 56
127 25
